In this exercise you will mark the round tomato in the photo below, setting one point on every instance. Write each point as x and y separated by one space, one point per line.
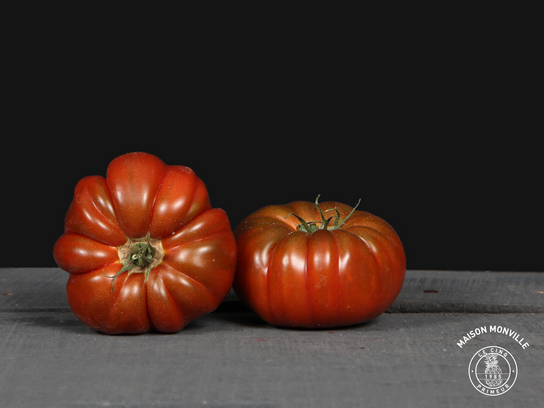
317 265
144 248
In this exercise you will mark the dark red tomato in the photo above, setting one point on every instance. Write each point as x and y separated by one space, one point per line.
317 266
144 248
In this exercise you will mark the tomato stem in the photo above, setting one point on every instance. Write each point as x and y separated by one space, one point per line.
141 255
313 226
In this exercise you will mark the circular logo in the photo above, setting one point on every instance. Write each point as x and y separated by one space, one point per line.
493 370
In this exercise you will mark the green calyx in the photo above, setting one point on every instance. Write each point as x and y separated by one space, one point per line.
142 255
325 223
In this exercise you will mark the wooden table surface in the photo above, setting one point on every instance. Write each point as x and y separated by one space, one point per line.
415 355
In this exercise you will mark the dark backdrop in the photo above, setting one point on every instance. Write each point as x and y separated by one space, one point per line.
439 138
456 203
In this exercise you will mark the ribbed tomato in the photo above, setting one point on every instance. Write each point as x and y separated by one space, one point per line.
317 265
144 248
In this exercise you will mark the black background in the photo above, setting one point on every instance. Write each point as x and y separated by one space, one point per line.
437 134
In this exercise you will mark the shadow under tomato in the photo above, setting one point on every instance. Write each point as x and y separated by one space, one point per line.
68 322
330 329
250 319
59 321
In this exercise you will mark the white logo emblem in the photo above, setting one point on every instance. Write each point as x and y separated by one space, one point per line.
493 370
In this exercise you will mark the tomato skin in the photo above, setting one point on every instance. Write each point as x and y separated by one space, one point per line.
195 249
328 278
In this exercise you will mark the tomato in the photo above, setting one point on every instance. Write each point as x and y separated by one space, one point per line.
144 248
317 265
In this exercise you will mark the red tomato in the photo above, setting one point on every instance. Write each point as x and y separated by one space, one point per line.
317 266
144 248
